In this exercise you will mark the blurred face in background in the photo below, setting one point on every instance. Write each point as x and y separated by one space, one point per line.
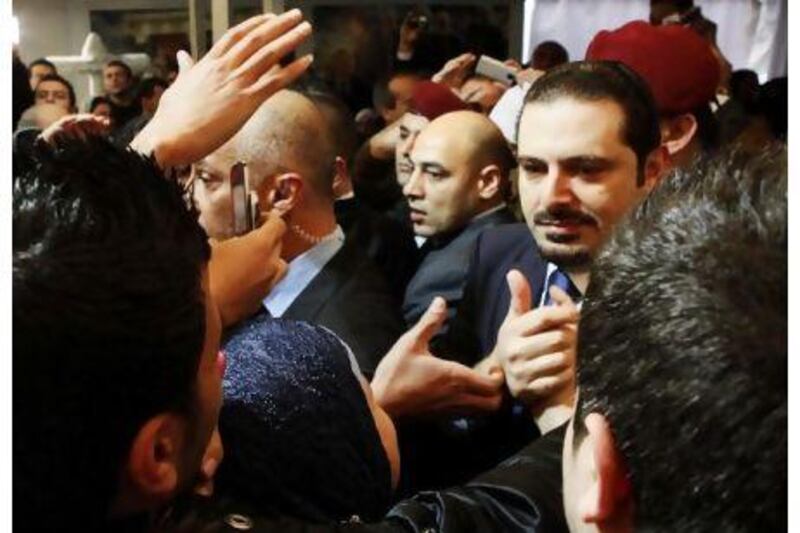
37 72
54 92
411 124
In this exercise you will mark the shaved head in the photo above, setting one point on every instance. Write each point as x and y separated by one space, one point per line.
287 134
461 163
474 135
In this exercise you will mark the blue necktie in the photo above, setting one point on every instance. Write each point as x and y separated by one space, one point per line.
562 281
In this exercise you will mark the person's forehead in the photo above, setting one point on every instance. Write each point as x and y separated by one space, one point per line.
414 122
447 148
569 127
222 159
42 68
51 85
115 69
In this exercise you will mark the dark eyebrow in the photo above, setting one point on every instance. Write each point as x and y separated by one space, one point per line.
598 163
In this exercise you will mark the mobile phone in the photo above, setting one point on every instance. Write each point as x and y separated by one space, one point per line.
495 69
244 202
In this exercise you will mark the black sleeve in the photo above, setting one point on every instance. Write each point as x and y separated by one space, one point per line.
521 494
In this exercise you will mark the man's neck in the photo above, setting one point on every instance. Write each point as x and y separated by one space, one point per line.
319 225
120 99
580 277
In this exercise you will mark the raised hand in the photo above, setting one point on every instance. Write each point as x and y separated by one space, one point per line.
410 381
75 126
536 348
455 72
211 100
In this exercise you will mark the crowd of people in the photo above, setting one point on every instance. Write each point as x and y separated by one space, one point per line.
553 306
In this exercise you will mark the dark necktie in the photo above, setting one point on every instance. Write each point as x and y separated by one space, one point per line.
562 281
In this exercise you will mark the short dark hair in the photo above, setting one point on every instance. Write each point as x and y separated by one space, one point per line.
44 62
148 86
549 54
605 80
108 322
683 346
62 81
98 101
122 65
341 123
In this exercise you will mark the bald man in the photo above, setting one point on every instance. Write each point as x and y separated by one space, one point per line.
457 188
290 157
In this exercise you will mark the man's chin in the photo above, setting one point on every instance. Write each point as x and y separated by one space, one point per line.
566 255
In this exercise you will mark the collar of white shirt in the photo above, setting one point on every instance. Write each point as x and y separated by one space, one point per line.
550 269
301 270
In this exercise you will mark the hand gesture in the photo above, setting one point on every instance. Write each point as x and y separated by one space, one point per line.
210 101
455 72
411 381
536 348
244 269
75 126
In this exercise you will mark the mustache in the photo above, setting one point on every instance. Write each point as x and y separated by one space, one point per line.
563 215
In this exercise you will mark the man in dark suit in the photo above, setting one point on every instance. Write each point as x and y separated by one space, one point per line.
329 280
457 188
588 151
383 239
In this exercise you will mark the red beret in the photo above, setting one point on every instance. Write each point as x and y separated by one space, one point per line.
676 63
432 99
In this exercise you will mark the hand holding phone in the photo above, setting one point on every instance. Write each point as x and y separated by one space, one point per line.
496 70
244 202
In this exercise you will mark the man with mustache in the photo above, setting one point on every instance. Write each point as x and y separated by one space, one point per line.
588 151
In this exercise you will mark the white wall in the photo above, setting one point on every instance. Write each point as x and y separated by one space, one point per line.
751 33
51 27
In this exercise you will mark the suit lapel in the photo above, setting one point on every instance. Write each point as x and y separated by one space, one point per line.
310 303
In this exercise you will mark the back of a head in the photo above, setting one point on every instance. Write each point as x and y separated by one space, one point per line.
147 87
340 122
604 80
299 436
285 135
108 322
683 347
549 54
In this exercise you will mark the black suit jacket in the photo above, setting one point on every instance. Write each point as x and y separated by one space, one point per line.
383 239
473 331
444 266
350 297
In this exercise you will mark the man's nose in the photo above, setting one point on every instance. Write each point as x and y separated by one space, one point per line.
413 187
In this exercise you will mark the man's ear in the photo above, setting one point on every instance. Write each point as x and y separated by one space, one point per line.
342 184
156 457
490 182
286 193
678 132
609 501
656 167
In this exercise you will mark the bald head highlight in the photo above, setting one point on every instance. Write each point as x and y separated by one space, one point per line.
288 133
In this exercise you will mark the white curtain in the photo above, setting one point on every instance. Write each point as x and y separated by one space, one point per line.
751 33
